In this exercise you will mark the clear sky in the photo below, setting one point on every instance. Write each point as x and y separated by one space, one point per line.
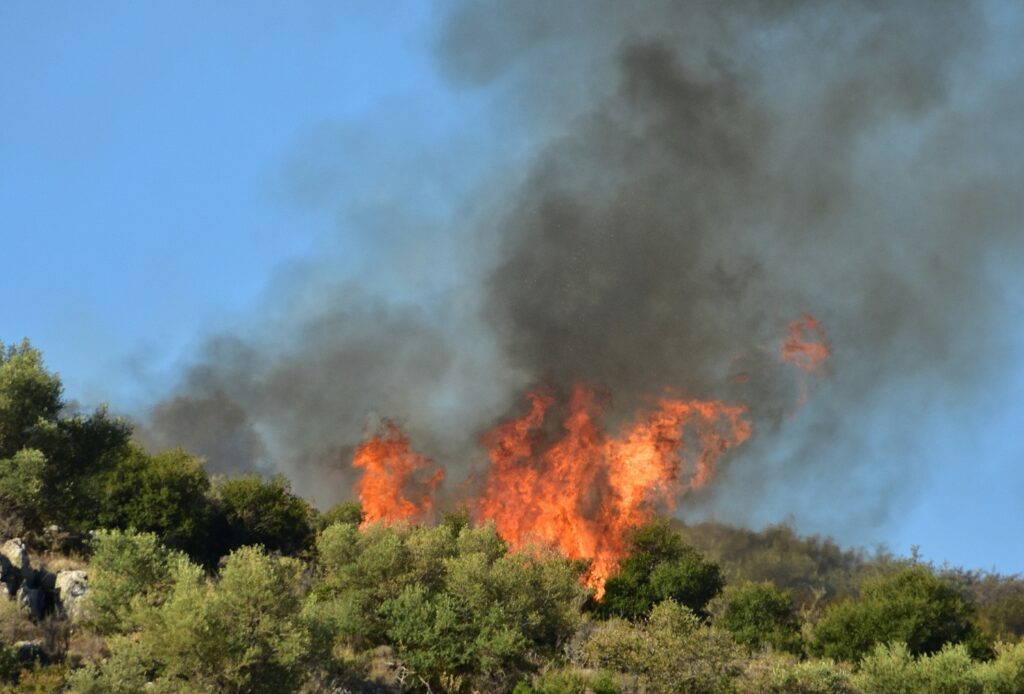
148 197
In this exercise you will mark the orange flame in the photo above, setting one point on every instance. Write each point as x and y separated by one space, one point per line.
579 489
582 492
397 484
806 345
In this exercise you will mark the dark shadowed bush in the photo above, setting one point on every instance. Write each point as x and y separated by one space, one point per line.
250 510
660 567
165 494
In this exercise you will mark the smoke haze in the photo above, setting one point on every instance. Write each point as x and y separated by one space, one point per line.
700 174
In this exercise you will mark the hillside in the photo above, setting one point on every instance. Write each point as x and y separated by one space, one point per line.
128 571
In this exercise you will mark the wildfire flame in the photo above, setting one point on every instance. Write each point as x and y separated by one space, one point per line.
575 487
583 491
397 484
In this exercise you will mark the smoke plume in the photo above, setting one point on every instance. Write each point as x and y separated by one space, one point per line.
701 174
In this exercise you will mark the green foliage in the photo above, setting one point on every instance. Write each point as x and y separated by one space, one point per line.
460 610
242 633
165 494
129 570
1005 673
40 679
22 480
913 606
22 476
29 394
759 615
808 566
569 682
253 511
660 567
892 668
9 666
46 459
1000 603
347 512
781 673
669 652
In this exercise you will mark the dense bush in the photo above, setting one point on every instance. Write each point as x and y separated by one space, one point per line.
349 512
660 567
460 610
892 668
780 673
129 570
759 615
913 606
241 633
250 510
47 460
165 494
671 651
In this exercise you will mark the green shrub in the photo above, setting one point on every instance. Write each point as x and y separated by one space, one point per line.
1005 673
892 668
568 682
669 652
782 673
242 633
759 615
660 567
128 570
912 606
29 394
348 512
165 494
459 610
253 511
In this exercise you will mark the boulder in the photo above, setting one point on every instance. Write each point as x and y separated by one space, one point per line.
70 587
15 552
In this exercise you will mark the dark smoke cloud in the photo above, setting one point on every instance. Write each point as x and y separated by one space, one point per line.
736 164
704 173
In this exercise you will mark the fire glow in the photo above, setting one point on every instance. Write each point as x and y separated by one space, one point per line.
570 484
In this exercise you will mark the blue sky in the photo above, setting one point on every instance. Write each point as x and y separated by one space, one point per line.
158 173
144 155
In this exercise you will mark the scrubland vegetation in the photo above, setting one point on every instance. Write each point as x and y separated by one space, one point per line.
237 585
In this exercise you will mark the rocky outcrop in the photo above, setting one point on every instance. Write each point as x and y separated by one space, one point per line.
16 556
70 588
37 591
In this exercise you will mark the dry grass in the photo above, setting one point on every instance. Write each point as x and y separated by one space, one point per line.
56 563
15 624
86 646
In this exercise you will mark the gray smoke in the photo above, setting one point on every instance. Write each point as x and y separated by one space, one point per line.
703 173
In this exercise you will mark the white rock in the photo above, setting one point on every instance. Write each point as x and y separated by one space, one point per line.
71 587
